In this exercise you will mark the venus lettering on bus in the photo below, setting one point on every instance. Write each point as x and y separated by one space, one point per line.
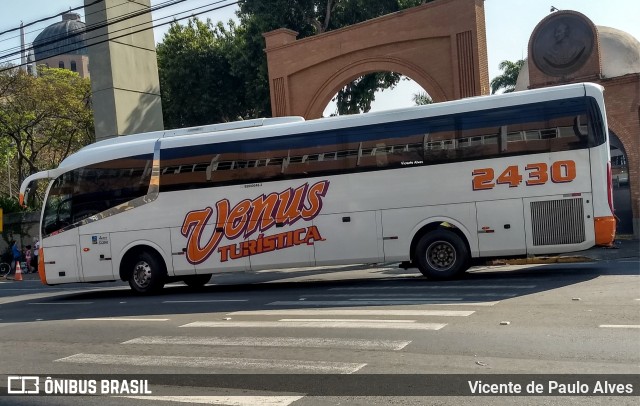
250 216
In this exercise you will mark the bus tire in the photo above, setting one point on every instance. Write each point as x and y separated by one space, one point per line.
148 273
196 281
441 254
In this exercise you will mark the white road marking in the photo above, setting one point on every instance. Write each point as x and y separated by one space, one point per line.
427 295
314 342
438 287
206 301
60 303
353 312
119 319
348 320
224 400
377 324
620 325
214 362
438 302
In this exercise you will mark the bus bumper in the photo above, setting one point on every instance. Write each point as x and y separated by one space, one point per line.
605 228
41 273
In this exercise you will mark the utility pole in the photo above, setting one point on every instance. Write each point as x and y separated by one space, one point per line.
9 177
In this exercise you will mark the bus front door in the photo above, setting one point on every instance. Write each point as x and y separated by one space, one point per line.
95 252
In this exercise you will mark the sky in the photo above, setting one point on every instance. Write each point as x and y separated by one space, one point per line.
509 24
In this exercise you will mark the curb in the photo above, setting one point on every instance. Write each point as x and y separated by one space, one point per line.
541 260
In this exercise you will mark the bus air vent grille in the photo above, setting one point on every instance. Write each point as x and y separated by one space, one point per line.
555 222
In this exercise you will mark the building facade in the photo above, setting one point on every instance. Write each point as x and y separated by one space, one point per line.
62 45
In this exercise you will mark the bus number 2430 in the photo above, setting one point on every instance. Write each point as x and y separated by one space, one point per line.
537 174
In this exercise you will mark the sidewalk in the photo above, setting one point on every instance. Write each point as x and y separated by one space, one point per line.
26 277
624 247
627 248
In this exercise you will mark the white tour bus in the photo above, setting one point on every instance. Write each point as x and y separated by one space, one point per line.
436 186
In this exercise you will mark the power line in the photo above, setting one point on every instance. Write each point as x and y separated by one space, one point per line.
135 32
62 13
56 38
48 18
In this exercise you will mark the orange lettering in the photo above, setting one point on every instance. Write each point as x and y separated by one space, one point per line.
193 227
263 210
237 221
290 205
249 216
314 197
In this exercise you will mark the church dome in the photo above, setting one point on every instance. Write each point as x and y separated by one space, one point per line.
619 56
619 52
62 38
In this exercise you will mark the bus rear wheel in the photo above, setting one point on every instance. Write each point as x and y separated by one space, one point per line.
196 281
441 255
148 273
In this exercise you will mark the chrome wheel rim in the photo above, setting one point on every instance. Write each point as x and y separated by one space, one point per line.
441 256
142 274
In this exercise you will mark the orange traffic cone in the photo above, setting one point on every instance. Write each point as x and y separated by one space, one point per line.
18 272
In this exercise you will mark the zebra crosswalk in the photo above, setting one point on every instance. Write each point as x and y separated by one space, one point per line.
219 363
281 342
293 336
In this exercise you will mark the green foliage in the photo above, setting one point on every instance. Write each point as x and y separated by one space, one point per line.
197 85
9 204
43 119
509 77
357 96
422 98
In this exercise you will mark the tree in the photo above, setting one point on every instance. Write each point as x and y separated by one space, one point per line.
509 77
197 83
422 98
43 119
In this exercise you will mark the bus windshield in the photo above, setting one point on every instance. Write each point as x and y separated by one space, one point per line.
87 191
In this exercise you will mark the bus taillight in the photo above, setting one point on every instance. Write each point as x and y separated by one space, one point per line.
610 186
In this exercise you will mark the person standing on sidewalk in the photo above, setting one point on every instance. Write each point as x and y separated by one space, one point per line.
15 251
27 257
36 251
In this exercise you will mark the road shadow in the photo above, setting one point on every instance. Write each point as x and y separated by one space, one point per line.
346 287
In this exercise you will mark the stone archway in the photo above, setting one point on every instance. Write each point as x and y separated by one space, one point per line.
441 45
336 81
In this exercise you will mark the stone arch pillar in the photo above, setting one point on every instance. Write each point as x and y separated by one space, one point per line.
441 45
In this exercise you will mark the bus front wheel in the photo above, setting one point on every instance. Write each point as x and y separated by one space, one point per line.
148 273
441 254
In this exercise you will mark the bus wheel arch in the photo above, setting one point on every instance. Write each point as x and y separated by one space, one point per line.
440 250
197 281
144 268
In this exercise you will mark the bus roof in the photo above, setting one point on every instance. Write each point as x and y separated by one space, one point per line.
139 144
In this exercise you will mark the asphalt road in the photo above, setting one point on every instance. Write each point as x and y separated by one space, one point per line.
336 326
